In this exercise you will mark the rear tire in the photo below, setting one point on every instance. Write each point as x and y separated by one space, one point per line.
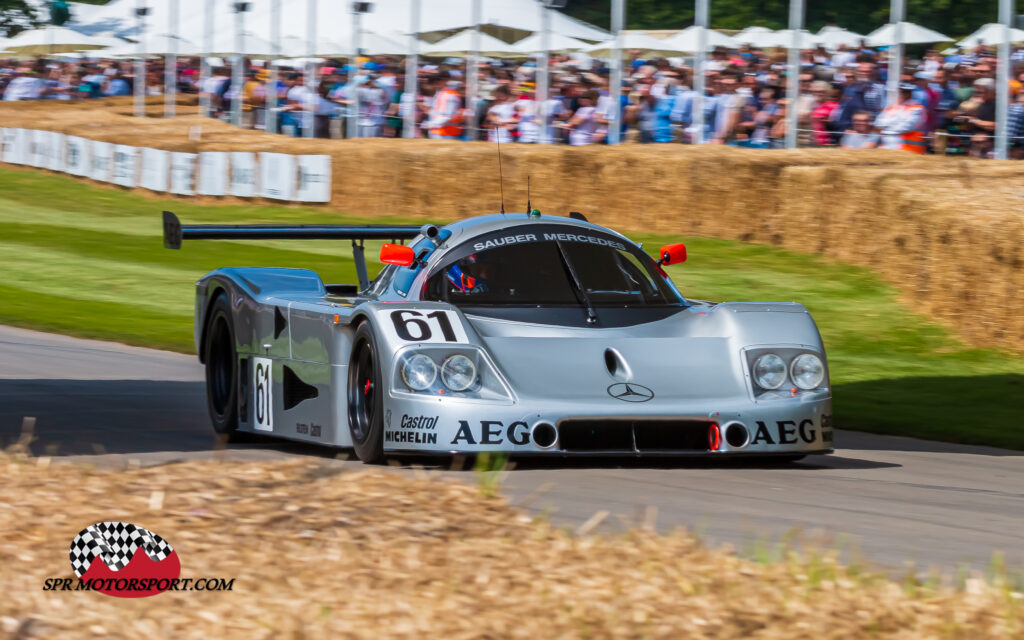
366 397
221 360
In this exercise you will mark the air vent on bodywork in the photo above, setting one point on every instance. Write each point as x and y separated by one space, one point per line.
295 390
633 435
279 322
616 365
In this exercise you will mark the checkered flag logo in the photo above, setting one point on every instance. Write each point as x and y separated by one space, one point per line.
116 544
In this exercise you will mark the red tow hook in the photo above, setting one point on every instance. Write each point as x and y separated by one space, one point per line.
366 387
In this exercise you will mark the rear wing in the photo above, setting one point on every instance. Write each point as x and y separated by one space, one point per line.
175 233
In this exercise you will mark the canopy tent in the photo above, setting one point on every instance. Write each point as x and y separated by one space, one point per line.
635 41
557 43
782 39
686 40
991 33
755 36
885 36
55 40
833 37
253 46
341 47
461 44
159 45
389 18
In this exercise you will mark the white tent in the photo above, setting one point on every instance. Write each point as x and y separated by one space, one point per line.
339 45
686 40
461 43
885 36
782 39
388 17
990 34
634 41
253 46
832 37
557 43
159 45
55 40
755 36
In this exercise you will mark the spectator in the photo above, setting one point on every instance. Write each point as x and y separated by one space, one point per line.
501 117
981 117
446 116
822 114
902 124
861 135
25 85
582 126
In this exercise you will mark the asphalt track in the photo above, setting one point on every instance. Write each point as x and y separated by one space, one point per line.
897 500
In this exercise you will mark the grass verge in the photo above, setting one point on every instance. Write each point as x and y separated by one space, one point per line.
89 262
315 551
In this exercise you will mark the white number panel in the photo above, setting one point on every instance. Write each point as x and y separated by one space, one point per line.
422 325
262 398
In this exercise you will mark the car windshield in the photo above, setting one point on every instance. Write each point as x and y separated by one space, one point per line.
551 268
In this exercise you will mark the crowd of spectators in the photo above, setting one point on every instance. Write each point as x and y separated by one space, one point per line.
946 102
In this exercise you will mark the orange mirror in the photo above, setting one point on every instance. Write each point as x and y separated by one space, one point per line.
673 253
398 254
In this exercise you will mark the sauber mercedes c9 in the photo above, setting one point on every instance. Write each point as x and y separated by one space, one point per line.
517 333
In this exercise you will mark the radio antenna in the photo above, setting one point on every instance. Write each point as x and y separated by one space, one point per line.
528 209
501 177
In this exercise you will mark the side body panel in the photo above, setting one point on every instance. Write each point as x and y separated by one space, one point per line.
284 318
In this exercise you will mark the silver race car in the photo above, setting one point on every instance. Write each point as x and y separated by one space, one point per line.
516 333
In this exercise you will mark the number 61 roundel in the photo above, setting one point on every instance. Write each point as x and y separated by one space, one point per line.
415 325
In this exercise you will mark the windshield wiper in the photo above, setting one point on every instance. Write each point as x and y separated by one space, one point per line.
584 298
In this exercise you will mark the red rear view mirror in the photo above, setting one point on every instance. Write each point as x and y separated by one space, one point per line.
398 254
672 253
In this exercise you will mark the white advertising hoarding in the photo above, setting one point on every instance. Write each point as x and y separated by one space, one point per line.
124 165
243 174
183 173
277 176
39 142
76 157
102 158
11 152
213 173
154 169
58 148
314 179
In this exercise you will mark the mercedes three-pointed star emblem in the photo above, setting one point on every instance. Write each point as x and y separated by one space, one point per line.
630 392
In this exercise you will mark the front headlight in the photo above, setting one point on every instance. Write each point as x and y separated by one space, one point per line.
807 371
449 371
419 372
769 371
458 373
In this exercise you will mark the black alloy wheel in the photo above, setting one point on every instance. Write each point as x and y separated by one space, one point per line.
366 397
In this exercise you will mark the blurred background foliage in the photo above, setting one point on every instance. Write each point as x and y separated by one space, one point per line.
955 19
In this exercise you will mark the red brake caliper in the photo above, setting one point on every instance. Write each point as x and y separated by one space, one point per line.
366 387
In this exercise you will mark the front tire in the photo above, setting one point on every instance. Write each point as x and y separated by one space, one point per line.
366 397
221 360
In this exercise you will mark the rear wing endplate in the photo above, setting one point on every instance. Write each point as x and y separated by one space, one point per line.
175 233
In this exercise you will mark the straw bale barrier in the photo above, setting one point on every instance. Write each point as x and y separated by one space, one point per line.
317 551
948 232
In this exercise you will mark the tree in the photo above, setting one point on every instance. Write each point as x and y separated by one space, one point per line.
955 18
15 16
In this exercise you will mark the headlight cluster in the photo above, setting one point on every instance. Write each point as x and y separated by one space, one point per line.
449 371
457 372
806 371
